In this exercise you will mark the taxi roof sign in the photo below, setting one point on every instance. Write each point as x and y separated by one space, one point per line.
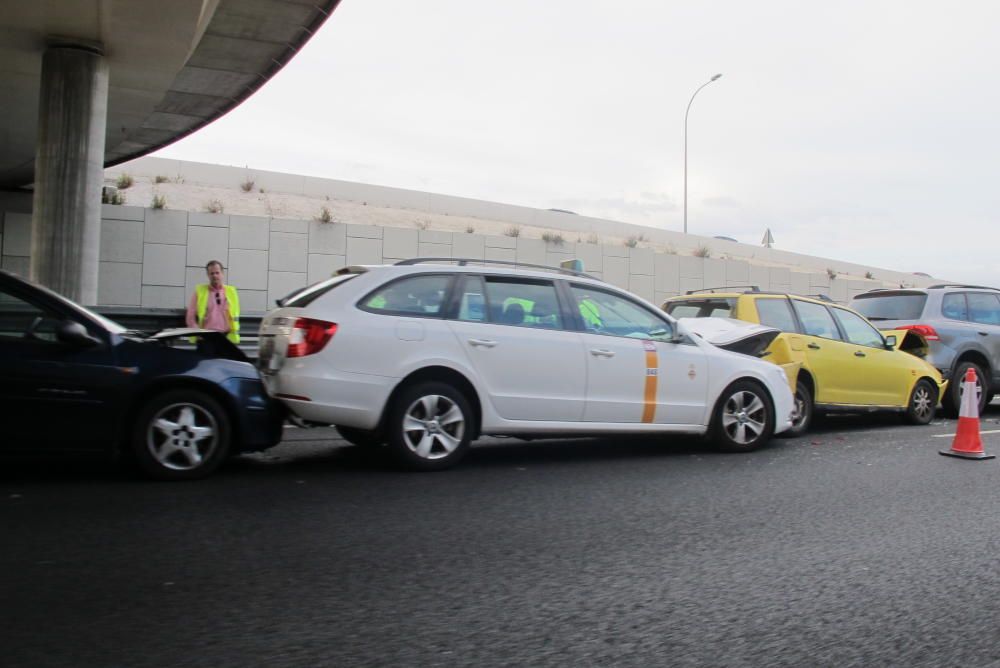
572 265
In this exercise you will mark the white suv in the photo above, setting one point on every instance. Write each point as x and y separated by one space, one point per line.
424 356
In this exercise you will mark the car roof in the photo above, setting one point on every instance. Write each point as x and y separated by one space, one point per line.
473 266
709 292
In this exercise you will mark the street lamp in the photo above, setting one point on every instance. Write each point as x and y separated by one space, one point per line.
716 77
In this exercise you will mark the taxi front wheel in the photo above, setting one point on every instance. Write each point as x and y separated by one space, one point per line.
744 418
429 427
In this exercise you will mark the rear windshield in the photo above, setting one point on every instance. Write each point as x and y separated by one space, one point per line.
306 295
899 306
702 308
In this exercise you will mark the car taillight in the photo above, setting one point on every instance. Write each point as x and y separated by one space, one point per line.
308 336
925 331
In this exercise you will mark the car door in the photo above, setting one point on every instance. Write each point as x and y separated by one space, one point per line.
830 358
984 311
881 379
54 395
514 333
636 372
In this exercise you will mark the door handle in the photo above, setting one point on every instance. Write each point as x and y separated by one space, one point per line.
983 333
482 343
601 352
858 353
814 346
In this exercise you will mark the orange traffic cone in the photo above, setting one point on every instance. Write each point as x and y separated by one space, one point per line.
967 443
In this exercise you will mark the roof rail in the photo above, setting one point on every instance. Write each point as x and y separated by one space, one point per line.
465 261
820 296
960 285
726 288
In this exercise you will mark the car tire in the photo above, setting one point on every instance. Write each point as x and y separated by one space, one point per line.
804 412
181 435
743 419
361 437
953 397
922 403
429 427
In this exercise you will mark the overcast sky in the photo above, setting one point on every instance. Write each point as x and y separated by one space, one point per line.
861 131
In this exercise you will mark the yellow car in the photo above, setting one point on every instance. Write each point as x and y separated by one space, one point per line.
846 363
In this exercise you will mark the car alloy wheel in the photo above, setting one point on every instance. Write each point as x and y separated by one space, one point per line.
956 388
744 417
923 402
180 435
430 426
803 413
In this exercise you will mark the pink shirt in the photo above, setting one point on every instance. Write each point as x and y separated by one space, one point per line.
215 312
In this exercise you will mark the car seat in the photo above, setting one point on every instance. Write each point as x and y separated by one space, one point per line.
513 314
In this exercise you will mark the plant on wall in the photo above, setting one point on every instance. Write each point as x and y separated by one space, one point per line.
124 181
214 206
512 231
469 229
325 215
159 202
869 275
423 224
593 239
632 242
702 251
553 238
832 273
160 178
247 184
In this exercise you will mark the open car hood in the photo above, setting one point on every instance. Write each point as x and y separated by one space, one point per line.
209 342
733 335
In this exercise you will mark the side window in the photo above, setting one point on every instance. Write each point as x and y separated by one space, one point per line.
610 313
858 331
776 313
526 303
953 306
417 295
20 320
816 320
983 308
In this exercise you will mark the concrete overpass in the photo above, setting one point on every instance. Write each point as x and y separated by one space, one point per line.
87 84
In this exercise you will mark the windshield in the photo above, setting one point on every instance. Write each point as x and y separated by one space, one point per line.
899 306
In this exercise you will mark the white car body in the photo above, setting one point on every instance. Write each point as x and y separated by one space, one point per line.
526 380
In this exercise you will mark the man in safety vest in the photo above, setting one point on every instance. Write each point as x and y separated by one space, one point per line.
215 305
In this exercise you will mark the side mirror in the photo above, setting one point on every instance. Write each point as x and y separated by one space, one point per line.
75 334
890 342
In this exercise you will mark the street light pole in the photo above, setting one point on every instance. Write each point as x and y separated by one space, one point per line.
715 78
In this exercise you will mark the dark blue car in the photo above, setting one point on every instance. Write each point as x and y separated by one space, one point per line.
74 382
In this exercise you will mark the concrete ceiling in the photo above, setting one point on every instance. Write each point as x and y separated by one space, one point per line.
174 66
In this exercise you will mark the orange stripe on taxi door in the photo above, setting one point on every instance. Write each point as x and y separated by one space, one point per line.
649 392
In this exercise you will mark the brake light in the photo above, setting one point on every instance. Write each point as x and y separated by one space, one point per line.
925 331
308 336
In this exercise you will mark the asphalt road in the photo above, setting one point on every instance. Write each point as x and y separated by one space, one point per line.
856 545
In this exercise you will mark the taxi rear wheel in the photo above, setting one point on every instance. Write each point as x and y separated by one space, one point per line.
429 427
803 415
744 418
923 402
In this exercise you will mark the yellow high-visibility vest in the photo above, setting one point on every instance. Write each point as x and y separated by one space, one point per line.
232 299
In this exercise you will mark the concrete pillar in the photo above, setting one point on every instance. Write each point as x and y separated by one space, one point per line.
69 170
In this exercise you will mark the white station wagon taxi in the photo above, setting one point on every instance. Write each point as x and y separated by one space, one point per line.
424 356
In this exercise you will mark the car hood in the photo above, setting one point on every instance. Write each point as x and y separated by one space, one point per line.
210 342
737 336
